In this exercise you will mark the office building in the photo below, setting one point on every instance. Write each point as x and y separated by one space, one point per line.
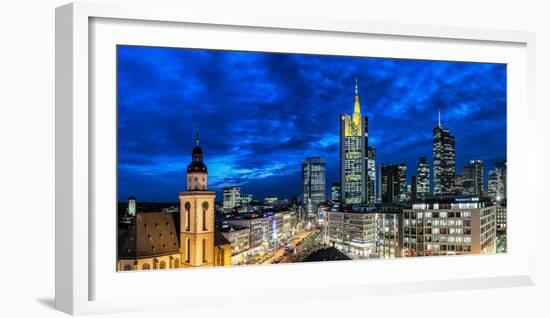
497 182
271 200
231 198
412 189
246 199
394 183
458 185
390 234
313 183
335 191
422 179
448 226
501 217
473 178
354 155
371 175
443 160
239 237
351 232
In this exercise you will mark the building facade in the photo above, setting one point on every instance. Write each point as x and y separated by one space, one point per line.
351 232
497 182
239 237
394 183
335 192
473 178
246 199
443 160
501 217
413 191
371 175
313 183
354 155
390 234
271 200
458 185
231 198
449 226
422 178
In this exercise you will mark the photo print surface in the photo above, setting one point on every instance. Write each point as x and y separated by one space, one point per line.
229 158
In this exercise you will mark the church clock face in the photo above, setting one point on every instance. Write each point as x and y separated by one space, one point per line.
205 206
132 207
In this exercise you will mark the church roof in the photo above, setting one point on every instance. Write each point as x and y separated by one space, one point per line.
150 235
197 166
219 239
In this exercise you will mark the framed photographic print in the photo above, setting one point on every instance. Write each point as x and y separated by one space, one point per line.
273 154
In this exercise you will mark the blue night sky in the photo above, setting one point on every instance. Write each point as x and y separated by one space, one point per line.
260 114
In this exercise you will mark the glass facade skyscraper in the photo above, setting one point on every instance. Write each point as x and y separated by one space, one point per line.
422 178
354 155
473 178
497 182
371 175
443 160
313 183
394 183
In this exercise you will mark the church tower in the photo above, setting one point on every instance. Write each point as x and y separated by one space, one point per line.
197 214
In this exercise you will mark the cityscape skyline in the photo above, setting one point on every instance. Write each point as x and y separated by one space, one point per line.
267 142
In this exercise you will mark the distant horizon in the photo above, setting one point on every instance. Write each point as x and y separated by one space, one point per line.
260 114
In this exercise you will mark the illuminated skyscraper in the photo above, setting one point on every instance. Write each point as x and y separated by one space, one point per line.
335 191
422 178
497 182
473 179
354 155
444 160
313 183
371 168
458 185
394 183
414 192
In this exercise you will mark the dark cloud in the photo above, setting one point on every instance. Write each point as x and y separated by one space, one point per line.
260 114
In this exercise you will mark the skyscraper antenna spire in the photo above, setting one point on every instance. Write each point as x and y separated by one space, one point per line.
356 90
439 118
197 137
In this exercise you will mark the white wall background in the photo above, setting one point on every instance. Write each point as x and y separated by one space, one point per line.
27 158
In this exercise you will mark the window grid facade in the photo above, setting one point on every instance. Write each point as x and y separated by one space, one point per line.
435 231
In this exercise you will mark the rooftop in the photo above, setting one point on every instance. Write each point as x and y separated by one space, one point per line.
327 254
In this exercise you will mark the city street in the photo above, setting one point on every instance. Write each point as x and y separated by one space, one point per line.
279 255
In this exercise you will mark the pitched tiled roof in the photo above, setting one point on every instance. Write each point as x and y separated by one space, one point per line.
150 235
219 239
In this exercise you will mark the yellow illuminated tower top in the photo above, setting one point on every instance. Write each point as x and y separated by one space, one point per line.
357 108
354 154
353 125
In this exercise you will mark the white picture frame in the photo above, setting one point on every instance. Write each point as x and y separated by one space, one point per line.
78 175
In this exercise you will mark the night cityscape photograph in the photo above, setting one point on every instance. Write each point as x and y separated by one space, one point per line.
250 158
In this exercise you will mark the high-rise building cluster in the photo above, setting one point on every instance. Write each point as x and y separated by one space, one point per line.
437 213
